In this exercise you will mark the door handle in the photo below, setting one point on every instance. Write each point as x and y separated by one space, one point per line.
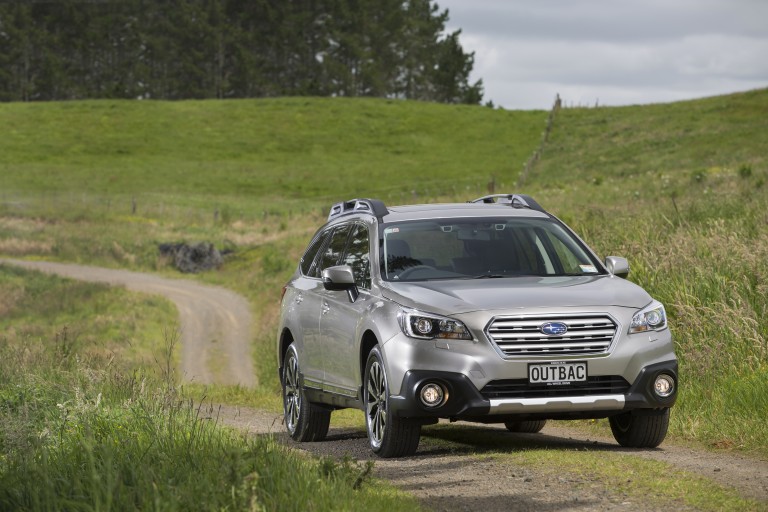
326 308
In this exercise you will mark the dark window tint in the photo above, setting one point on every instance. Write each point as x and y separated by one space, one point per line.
357 256
309 255
335 249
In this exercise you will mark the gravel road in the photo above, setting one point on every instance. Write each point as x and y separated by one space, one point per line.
215 323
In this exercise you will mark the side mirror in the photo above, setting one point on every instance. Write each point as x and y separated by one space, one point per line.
617 266
340 278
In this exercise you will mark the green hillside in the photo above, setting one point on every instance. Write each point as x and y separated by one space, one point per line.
679 189
255 155
623 142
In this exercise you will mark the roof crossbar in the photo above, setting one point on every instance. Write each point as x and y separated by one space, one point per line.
513 200
372 206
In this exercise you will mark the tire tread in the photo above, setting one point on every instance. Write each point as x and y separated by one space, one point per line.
314 421
642 432
401 435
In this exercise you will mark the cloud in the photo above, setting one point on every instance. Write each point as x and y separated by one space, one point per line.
611 20
615 52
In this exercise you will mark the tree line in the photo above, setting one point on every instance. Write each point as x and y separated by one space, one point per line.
182 49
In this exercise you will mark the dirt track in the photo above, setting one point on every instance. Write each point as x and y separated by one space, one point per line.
215 324
462 478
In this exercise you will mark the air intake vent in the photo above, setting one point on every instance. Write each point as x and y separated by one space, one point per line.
520 388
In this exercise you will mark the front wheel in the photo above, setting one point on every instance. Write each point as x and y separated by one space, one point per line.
633 431
304 420
388 436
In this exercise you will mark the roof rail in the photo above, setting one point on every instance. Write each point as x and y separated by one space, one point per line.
372 206
513 200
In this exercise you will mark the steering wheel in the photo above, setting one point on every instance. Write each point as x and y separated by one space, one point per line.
411 270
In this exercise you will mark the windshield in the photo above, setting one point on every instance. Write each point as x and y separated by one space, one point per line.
481 248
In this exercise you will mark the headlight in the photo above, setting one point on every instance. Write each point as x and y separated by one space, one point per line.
652 318
426 326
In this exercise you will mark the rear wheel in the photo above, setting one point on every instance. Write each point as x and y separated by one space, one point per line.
388 436
635 431
304 420
525 427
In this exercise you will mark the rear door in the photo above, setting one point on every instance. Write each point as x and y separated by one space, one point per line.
306 304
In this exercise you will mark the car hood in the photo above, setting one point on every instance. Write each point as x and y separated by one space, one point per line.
463 296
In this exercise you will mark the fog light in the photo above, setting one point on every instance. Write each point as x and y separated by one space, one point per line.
664 385
432 395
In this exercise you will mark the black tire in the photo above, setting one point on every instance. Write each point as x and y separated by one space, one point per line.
388 436
526 427
304 420
635 431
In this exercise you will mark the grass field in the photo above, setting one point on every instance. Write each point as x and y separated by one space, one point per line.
678 189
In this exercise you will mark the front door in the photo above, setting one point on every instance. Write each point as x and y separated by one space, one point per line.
340 318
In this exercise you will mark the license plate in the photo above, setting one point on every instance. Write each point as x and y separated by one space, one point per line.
557 373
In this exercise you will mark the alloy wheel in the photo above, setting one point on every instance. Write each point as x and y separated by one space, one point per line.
376 407
292 394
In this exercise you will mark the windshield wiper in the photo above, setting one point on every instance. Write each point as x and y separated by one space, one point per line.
489 276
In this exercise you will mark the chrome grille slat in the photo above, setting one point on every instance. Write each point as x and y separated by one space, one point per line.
520 336
502 335
572 323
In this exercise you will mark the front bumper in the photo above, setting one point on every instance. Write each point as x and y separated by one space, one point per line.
465 401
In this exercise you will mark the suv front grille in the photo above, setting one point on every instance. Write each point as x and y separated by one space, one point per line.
522 336
520 388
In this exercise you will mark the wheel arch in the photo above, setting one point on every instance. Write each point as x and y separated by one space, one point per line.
368 341
286 338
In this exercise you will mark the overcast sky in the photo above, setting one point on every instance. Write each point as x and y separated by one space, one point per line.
613 52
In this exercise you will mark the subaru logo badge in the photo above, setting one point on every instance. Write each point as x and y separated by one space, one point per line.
554 328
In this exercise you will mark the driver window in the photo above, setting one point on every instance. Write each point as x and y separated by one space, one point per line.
333 252
357 256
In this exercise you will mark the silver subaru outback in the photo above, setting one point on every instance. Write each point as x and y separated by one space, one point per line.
491 311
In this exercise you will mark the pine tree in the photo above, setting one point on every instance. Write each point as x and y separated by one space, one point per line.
178 49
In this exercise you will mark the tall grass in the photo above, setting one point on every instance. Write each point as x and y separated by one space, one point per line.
106 440
81 430
711 273
686 202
